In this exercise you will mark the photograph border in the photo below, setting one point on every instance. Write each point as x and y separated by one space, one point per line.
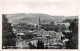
3 2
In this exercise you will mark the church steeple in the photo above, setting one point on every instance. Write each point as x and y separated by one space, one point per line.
39 24
39 21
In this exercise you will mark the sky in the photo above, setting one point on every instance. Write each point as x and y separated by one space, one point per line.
56 7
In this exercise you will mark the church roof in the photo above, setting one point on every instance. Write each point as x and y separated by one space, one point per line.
39 31
20 34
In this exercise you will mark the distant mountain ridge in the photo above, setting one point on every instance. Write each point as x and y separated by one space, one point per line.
34 17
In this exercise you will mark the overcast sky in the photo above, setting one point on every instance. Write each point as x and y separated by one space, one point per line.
67 8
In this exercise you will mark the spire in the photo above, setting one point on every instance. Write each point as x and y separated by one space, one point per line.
39 21
39 25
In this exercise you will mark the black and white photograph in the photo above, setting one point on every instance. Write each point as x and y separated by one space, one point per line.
40 25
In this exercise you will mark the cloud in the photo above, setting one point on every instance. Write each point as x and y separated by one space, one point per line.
51 8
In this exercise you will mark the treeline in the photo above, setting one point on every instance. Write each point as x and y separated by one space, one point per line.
67 20
72 43
56 28
8 37
24 26
46 27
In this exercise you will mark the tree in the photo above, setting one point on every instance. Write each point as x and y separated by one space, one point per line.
72 35
74 28
56 28
29 36
32 46
7 33
40 44
63 27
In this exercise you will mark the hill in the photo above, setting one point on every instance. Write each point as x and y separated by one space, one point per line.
33 18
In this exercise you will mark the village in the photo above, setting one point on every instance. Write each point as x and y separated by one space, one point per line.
50 38
51 35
